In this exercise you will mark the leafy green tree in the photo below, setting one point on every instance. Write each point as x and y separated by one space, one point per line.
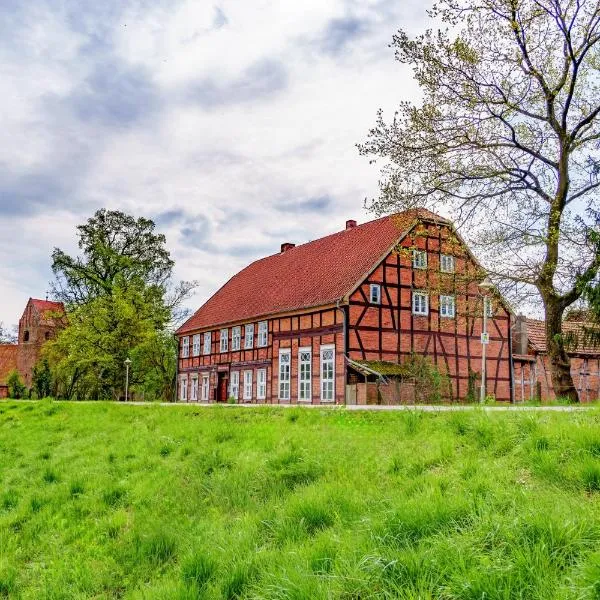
121 304
16 387
42 379
506 139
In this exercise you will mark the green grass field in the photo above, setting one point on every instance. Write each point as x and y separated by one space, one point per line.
109 501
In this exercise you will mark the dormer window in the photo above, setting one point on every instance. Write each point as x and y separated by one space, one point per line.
419 259
375 294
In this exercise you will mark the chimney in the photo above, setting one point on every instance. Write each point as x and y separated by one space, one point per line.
287 246
350 224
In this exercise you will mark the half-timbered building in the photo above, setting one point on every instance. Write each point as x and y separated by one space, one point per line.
315 323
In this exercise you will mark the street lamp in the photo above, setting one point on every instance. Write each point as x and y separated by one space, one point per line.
485 286
127 363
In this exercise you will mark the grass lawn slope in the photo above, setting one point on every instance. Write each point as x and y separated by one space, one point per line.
112 501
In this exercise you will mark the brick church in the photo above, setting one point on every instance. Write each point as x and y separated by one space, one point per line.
39 323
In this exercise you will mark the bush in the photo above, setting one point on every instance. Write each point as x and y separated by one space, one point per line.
16 387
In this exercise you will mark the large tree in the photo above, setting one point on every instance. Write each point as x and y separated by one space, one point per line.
506 139
121 303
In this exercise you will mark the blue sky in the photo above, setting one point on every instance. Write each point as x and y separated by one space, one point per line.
231 123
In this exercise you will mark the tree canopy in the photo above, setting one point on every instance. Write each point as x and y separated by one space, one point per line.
506 139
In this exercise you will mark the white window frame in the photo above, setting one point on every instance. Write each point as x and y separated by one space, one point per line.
447 306
304 383
326 381
194 393
261 384
263 334
196 345
375 293
285 384
248 388
183 388
417 308
205 387
185 349
236 338
419 259
207 343
249 336
447 264
224 340
234 384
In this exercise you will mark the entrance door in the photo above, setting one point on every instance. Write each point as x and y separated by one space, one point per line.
222 388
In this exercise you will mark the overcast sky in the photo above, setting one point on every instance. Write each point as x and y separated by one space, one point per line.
232 124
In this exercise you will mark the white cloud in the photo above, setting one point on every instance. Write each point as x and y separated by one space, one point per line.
241 118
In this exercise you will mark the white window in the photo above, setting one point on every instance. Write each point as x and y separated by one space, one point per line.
249 336
183 389
375 293
327 373
205 385
446 263
194 388
284 374
419 259
196 345
261 384
447 306
185 351
207 342
304 374
236 337
247 385
263 333
224 345
234 384
420 303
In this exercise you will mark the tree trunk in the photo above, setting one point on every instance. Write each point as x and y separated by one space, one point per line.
560 363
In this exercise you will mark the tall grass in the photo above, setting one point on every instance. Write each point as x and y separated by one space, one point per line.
109 501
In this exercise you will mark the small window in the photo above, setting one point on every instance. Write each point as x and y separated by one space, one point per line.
185 350
419 259
236 338
249 337
205 386
375 293
304 374
234 384
263 333
284 374
446 263
47 335
247 385
196 345
224 345
207 342
327 373
447 306
420 303
26 336
261 384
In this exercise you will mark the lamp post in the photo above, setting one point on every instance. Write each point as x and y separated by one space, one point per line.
127 363
484 286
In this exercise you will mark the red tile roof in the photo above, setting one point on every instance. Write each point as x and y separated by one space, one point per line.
48 305
536 333
8 360
313 274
